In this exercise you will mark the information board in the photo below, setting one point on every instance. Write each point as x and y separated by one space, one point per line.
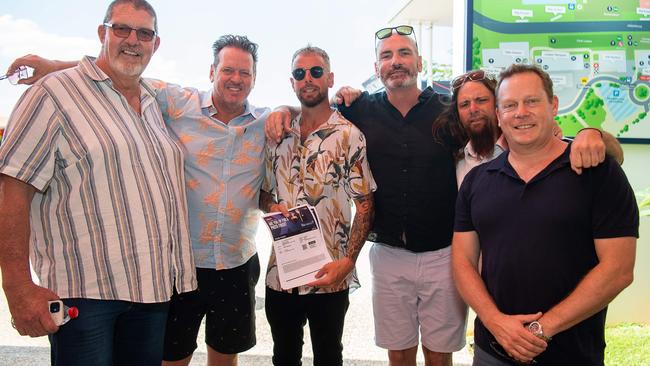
596 51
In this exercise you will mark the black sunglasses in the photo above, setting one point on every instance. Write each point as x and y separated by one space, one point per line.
300 73
404 30
124 31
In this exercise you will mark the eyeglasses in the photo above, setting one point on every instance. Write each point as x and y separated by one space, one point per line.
404 30
23 72
124 31
300 73
478 75
496 347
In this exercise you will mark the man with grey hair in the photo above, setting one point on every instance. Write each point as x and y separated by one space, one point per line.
222 137
322 163
91 179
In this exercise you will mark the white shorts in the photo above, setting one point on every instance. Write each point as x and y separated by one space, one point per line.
414 293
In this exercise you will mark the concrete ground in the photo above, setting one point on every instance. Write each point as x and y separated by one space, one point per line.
358 337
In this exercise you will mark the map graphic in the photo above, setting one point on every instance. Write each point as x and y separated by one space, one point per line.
596 51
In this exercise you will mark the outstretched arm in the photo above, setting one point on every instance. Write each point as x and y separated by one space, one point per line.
346 95
590 146
41 66
279 122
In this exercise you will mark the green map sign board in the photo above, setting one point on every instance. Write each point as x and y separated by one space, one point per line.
596 51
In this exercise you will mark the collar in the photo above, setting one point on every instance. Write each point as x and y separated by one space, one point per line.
334 119
206 103
89 67
501 165
469 149
423 97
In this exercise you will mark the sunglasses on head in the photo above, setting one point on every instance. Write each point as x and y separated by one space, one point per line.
404 30
124 31
478 75
300 73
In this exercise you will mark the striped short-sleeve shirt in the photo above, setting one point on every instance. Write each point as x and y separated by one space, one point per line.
109 220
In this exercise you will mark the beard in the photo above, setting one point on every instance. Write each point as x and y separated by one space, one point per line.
312 101
407 81
483 139
126 66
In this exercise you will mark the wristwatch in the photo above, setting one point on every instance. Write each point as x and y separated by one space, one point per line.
537 330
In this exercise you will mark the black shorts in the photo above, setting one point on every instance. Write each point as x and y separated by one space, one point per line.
227 299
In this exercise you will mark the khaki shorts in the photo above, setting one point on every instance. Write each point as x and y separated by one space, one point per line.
413 294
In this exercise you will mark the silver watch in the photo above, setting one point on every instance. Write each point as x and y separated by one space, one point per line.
537 330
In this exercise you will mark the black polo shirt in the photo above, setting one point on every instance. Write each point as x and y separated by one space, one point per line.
537 242
416 184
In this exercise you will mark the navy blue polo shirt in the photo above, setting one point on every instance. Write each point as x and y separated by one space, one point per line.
415 175
537 242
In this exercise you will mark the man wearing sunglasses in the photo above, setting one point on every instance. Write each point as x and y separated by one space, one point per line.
322 163
91 178
222 137
413 291
556 246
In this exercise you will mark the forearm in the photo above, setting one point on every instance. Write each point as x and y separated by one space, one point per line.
597 289
365 210
14 247
62 65
266 201
472 289
613 147
465 255
293 111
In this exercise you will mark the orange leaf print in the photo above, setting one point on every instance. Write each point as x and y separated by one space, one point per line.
243 159
207 230
214 198
247 192
234 213
193 184
185 138
204 156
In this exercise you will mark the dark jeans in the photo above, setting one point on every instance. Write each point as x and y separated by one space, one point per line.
287 314
110 333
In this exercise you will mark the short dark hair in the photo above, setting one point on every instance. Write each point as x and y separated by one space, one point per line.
313 50
515 69
138 5
241 42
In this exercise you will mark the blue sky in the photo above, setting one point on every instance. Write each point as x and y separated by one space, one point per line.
67 29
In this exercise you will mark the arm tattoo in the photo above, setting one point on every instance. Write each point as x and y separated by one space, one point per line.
365 207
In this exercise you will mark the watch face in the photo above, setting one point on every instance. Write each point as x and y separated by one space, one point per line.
535 328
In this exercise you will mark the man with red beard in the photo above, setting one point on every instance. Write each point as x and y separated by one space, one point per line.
321 163
471 115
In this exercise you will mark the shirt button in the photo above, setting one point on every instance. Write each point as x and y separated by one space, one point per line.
405 170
